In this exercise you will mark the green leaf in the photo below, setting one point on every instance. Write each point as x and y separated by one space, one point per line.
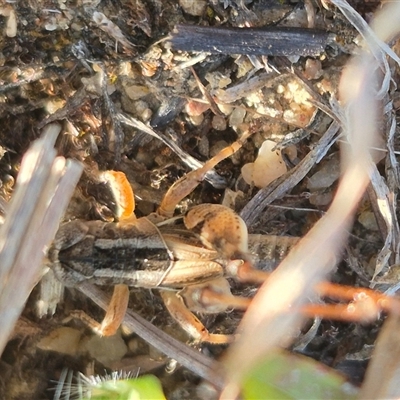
286 376
147 387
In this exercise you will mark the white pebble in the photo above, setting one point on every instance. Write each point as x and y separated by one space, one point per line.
268 166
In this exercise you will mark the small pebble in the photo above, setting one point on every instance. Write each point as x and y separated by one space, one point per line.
368 220
63 340
325 176
218 123
106 350
237 116
267 167
313 69
193 7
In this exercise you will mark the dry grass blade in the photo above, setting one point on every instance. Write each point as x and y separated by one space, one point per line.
382 377
44 186
382 198
211 176
268 323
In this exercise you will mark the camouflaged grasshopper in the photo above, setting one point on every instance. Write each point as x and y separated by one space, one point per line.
189 268
188 264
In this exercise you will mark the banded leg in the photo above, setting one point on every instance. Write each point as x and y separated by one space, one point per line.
115 313
363 305
177 304
185 185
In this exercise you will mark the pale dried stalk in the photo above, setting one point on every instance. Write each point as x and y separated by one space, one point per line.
376 43
268 322
383 374
44 187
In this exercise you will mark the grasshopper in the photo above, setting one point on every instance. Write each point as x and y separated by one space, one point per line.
184 265
188 265
118 254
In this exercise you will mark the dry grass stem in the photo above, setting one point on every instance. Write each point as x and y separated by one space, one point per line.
382 377
211 176
44 186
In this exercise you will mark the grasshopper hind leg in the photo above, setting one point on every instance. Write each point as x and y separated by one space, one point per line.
115 313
